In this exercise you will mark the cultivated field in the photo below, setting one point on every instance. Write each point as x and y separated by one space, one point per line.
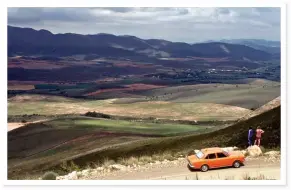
241 95
150 120
51 105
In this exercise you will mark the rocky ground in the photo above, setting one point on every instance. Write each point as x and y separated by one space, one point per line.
254 156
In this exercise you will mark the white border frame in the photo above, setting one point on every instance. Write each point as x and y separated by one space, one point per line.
152 3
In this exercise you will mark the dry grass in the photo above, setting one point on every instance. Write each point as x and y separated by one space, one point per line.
229 178
108 162
259 177
128 161
245 177
69 167
167 155
144 159
193 178
20 87
32 104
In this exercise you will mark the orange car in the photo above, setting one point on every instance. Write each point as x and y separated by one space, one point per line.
214 158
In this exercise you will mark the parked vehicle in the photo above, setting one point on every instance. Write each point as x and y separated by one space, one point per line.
216 157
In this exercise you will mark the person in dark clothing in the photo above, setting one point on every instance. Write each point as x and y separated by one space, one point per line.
250 136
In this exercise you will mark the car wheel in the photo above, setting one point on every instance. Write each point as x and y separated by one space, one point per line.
236 164
204 168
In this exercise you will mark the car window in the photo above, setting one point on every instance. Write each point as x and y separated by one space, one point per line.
200 154
226 153
211 156
221 155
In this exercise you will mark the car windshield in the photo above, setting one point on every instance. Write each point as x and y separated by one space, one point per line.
199 154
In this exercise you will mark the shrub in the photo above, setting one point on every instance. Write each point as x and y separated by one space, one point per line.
69 167
98 115
74 167
260 177
107 163
50 176
128 161
145 159
23 121
166 156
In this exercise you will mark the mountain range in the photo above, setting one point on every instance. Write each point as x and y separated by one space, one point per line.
30 42
272 47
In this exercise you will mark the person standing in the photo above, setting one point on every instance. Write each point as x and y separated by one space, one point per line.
259 133
250 136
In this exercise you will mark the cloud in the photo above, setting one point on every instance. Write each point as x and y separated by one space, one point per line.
33 15
170 23
120 9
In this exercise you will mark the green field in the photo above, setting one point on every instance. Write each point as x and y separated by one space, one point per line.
142 127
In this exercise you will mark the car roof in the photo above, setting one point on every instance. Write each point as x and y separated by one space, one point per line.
212 150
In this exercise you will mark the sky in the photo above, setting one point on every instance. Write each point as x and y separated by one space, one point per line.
174 24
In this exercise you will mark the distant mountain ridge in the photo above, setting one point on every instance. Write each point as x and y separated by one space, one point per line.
27 41
269 46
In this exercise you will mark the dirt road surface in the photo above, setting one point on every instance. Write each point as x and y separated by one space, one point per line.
179 171
15 125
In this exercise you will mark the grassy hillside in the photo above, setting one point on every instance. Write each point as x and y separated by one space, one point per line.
235 135
51 105
48 142
135 127
241 95
109 146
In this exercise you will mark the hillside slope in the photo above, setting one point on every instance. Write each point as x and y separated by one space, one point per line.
27 41
264 45
234 135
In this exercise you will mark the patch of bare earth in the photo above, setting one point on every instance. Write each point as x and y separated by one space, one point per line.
127 88
12 126
16 125
104 91
25 98
20 87
270 105
34 64
141 86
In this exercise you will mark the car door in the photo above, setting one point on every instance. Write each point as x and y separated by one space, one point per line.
222 160
210 160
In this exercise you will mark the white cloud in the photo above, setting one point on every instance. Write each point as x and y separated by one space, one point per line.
176 24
